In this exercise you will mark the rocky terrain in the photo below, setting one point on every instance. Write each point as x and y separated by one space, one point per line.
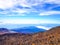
50 37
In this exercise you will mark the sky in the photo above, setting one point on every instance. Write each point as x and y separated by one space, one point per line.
29 12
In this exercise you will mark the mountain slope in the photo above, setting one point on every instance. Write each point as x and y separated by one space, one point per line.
3 30
51 37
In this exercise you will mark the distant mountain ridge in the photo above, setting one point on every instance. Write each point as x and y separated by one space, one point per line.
30 29
4 30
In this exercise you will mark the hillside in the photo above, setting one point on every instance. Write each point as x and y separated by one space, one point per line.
3 30
50 37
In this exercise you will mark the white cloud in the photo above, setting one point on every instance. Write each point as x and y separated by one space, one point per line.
25 3
10 4
43 27
19 21
27 21
19 11
49 13
53 1
7 3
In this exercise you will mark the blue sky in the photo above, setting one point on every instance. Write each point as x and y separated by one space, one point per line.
29 12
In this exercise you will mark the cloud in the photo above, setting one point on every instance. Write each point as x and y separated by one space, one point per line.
28 21
49 13
46 28
53 1
25 3
19 21
4 4
22 7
